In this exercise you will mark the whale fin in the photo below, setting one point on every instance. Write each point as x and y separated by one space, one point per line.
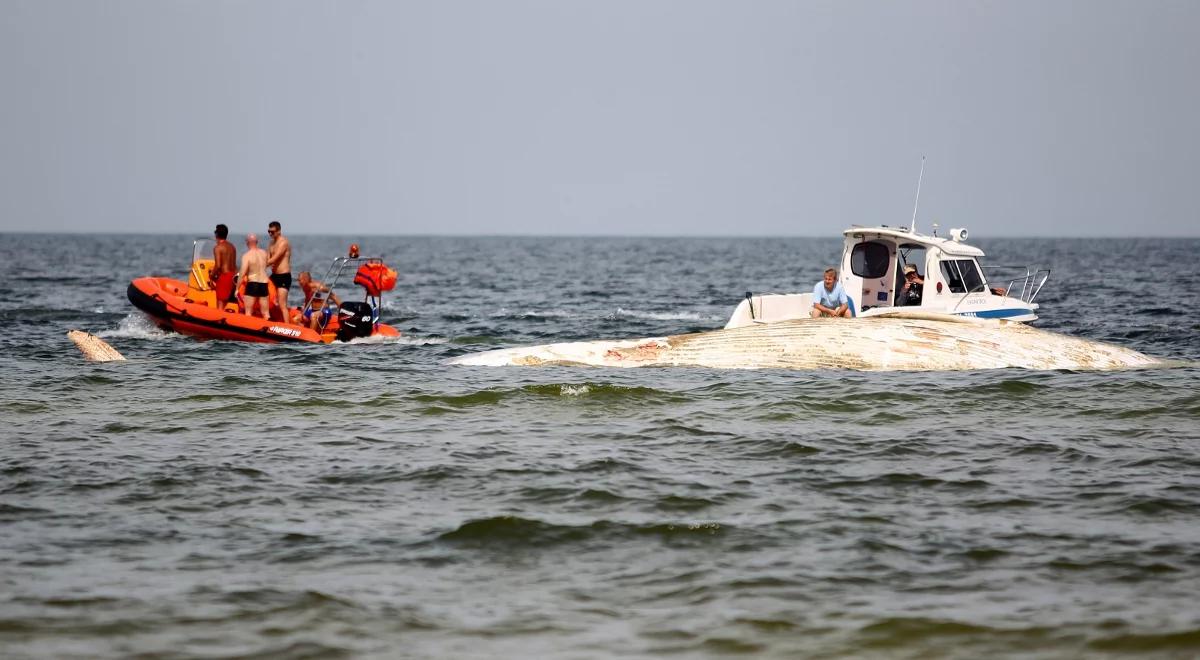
93 347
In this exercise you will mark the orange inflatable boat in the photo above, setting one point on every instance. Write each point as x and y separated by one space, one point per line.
191 307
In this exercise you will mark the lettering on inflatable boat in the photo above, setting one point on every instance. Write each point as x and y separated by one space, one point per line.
291 332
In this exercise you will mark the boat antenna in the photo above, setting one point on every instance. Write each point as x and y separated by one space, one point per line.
913 227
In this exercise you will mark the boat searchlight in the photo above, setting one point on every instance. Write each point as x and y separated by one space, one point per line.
958 235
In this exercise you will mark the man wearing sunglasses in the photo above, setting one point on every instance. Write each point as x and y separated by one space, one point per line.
279 258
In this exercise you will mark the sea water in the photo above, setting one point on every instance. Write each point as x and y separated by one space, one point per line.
218 499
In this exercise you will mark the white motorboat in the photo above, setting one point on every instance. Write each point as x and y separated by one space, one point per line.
871 272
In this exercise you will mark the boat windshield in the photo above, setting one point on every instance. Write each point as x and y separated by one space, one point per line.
962 275
202 248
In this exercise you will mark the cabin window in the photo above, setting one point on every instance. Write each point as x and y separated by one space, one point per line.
962 276
870 260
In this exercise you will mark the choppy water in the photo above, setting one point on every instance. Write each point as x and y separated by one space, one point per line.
211 499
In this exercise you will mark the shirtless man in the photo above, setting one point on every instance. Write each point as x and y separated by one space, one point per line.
279 258
319 302
224 266
254 274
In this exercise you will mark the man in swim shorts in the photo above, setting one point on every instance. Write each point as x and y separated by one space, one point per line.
279 258
254 274
224 266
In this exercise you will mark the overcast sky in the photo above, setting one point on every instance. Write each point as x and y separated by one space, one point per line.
659 117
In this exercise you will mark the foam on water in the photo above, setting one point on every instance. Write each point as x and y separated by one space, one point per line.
680 315
137 325
405 340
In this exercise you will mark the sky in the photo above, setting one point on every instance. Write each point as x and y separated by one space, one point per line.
613 117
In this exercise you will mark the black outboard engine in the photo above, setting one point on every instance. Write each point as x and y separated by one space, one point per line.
357 319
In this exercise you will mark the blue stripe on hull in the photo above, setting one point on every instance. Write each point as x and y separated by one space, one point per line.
997 313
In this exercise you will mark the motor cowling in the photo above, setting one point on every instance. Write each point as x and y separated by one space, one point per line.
355 319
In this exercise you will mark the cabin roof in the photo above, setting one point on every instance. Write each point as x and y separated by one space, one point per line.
902 234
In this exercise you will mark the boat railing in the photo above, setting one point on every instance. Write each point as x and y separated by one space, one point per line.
333 276
1025 286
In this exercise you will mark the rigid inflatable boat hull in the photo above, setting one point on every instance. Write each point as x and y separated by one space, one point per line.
163 299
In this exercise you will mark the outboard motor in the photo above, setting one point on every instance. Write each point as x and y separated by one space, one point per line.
356 319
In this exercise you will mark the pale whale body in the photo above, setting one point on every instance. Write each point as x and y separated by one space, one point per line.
93 347
912 342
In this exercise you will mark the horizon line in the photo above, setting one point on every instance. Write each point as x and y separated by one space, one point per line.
53 232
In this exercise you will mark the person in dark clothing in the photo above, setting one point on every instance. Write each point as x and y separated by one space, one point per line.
914 285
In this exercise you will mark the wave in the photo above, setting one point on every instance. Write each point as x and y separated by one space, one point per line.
903 480
397 308
472 340
534 314
1139 643
662 316
512 532
1157 508
903 633
403 340
620 313
600 392
137 325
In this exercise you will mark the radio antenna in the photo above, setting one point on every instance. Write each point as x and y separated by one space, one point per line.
913 227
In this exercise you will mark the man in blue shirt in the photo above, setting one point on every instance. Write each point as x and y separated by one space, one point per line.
828 297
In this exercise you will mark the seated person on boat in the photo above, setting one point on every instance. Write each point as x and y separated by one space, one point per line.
319 303
914 285
829 299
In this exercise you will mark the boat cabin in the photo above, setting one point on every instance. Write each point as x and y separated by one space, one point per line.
948 278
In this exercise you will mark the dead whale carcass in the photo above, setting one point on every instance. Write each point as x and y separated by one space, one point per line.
93 347
915 342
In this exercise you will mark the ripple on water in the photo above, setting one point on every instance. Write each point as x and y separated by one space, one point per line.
515 532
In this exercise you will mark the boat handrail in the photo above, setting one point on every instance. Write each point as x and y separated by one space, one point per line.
333 275
1030 285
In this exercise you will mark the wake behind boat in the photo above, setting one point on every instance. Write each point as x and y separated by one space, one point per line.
192 308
